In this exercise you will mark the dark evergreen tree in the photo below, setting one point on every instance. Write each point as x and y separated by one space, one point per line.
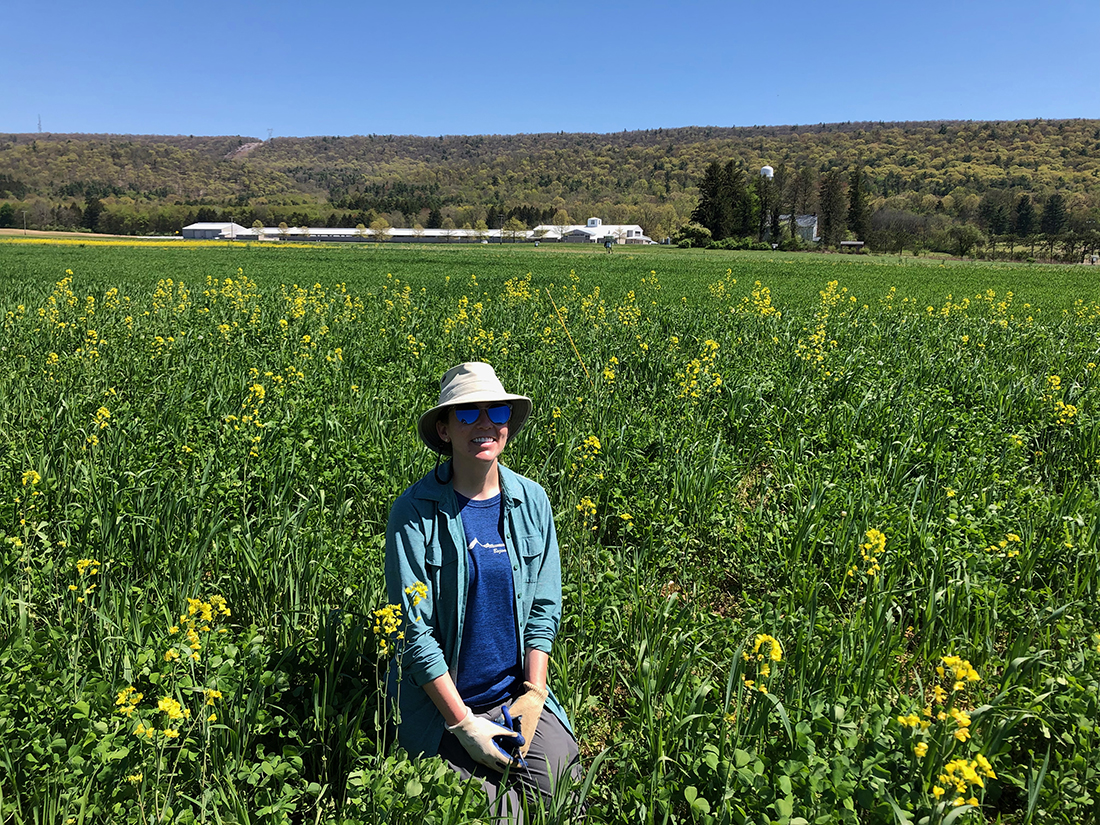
732 195
832 207
780 203
435 219
92 210
998 221
707 211
1025 216
1053 220
1054 215
741 218
858 211
7 215
764 189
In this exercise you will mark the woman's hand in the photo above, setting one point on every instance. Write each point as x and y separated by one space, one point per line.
477 735
527 709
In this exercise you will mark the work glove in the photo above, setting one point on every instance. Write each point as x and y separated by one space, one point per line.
478 736
526 710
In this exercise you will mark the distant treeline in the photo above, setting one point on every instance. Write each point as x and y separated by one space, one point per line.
736 206
949 174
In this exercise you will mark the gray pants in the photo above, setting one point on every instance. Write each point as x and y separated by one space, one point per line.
554 755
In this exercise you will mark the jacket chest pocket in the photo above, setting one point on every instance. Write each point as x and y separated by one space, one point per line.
529 551
442 569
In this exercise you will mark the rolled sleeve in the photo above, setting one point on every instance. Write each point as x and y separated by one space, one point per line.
422 658
544 616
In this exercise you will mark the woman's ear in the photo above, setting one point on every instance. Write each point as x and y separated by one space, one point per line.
441 429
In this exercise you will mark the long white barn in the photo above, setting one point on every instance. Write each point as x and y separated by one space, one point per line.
594 231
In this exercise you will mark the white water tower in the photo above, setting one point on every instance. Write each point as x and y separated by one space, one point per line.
767 172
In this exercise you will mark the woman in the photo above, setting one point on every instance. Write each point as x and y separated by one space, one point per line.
473 670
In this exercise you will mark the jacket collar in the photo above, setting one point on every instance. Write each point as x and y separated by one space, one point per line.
431 489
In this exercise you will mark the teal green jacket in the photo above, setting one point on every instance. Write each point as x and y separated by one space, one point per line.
425 542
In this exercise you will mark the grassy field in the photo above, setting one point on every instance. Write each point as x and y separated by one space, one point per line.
829 527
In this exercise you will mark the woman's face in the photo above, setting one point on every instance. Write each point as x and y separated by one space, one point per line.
480 442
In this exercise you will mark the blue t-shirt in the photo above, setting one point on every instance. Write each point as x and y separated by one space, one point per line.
490 660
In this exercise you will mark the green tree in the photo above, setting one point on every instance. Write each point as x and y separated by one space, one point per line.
561 222
964 237
93 208
781 188
739 204
1025 216
858 211
693 234
712 202
831 197
7 215
896 229
514 228
380 229
1053 220
764 189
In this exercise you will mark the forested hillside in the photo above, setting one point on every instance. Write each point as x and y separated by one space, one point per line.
957 173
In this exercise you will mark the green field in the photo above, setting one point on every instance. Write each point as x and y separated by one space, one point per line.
829 528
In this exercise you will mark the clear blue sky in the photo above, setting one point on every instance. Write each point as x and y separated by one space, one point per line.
430 67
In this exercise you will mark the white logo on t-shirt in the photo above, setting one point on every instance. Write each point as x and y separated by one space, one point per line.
496 548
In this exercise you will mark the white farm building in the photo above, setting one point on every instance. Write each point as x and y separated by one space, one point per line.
594 231
211 230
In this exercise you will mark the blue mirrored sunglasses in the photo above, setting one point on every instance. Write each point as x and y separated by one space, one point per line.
498 414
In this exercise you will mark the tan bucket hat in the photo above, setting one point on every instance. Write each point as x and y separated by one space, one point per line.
471 383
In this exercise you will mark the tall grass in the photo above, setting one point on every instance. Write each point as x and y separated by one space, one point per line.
876 473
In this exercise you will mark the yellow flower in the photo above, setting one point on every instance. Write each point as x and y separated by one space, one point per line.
171 734
135 778
418 591
920 749
775 649
31 477
171 707
937 791
983 763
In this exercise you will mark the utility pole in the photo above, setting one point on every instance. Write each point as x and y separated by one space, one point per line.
24 221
